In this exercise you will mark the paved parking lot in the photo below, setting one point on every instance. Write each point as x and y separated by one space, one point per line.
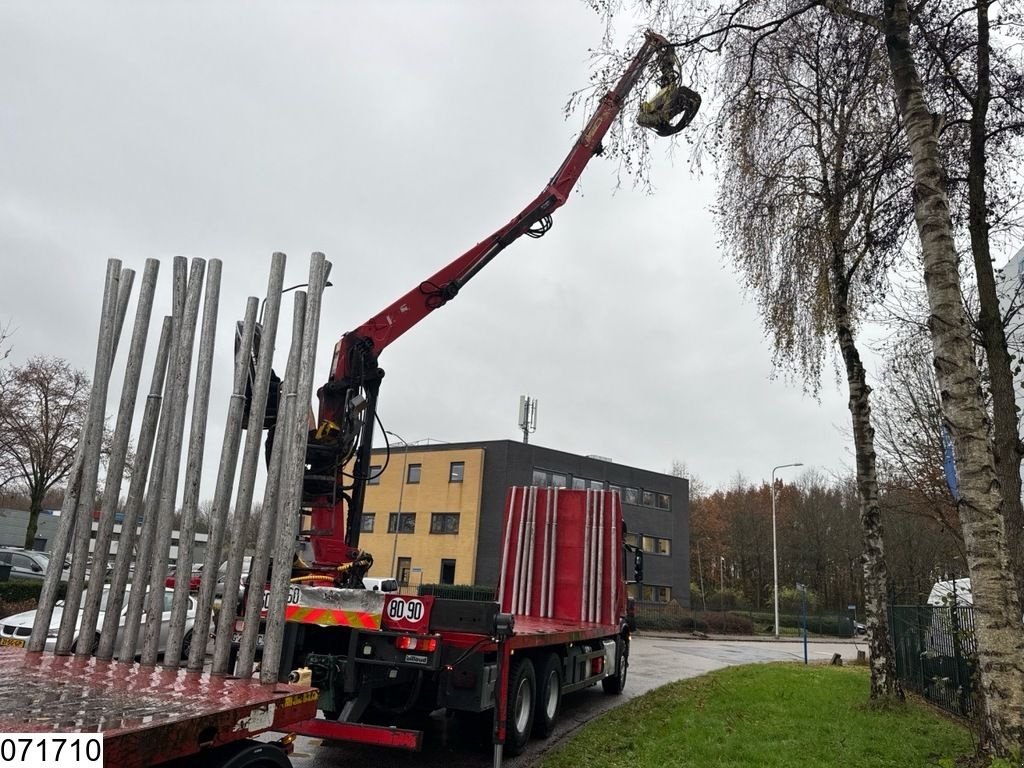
654 661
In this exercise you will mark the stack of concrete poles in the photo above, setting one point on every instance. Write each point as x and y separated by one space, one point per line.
140 567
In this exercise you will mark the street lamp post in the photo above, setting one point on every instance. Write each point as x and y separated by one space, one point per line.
263 303
721 591
775 547
401 493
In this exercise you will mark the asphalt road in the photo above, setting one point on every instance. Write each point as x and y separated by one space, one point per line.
654 661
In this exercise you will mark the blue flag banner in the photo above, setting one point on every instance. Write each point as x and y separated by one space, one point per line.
949 464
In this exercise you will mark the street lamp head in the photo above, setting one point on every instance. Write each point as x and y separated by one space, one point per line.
783 466
398 437
263 303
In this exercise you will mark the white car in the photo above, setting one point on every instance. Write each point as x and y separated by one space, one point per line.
15 630
380 584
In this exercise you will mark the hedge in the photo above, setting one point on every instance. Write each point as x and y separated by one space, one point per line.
18 591
828 624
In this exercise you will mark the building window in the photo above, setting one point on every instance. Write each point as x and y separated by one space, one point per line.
366 524
375 473
456 471
547 479
657 546
404 569
663 500
444 522
595 485
412 476
447 572
578 483
404 522
633 539
544 478
631 496
654 593
648 498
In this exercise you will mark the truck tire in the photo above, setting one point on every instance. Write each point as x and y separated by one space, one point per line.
186 645
614 684
239 754
549 696
522 698
92 648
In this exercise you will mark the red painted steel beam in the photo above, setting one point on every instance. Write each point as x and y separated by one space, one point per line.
382 736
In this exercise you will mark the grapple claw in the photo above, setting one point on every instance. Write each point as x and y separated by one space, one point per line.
673 102
674 105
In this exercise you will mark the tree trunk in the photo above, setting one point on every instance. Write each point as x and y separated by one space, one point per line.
997 613
990 322
884 681
35 506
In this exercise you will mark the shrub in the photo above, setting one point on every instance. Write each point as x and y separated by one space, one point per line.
18 595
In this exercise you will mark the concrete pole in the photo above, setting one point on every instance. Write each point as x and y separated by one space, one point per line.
292 471
133 507
65 526
93 438
181 374
118 453
194 468
222 493
250 463
271 497
144 553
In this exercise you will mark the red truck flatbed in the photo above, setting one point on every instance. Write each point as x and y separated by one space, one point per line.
533 632
147 715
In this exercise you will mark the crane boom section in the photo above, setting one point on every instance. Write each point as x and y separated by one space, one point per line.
397 318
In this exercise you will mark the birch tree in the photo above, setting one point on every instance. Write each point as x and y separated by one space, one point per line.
978 89
700 32
998 624
811 210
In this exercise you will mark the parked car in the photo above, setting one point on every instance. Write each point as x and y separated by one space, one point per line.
955 592
15 630
193 581
243 579
27 564
380 584
197 575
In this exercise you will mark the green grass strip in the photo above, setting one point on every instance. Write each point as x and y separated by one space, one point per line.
764 716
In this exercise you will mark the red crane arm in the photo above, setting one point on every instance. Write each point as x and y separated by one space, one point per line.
338 453
403 314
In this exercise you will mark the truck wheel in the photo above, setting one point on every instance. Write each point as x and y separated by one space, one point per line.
522 697
247 754
92 648
614 684
549 699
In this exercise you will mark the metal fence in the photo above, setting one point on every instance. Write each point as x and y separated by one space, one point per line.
936 655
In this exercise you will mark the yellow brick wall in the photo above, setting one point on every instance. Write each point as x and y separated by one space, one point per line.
432 494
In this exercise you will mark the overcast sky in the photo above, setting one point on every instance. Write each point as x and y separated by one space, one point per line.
392 137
